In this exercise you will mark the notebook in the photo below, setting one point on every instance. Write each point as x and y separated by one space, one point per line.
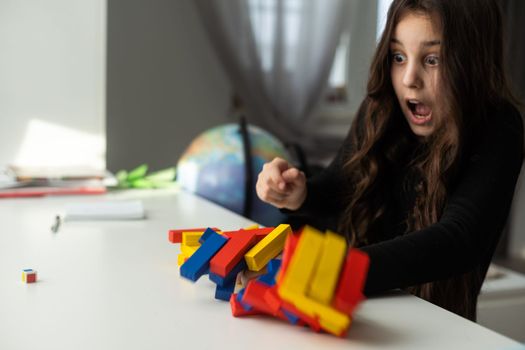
107 210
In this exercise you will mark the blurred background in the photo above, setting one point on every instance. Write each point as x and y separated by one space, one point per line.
98 85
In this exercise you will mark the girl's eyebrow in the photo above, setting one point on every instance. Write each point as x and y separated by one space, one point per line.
428 43
431 43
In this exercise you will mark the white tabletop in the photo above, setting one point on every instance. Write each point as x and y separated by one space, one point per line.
116 285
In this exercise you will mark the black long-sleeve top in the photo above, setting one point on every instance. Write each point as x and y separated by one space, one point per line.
465 236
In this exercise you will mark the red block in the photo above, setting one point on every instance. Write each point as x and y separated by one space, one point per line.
238 310
175 236
232 252
31 277
254 296
259 232
272 299
349 291
288 250
310 321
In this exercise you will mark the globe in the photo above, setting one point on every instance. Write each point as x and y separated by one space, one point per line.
213 166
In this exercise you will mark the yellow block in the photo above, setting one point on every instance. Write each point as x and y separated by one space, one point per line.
251 227
180 259
327 271
191 238
335 326
188 250
331 319
300 270
301 273
268 248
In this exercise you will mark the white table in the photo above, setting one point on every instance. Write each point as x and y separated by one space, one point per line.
116 285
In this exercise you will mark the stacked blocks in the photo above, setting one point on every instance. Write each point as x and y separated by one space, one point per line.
175 236
317 282
190 240
29 276
198 263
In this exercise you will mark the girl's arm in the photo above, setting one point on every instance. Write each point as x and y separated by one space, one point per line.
467 233
324 196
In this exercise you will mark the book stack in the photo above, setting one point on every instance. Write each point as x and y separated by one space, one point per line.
40 181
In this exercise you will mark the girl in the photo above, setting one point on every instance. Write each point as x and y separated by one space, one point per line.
424 181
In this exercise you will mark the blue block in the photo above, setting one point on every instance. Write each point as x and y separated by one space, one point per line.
290 316
245 306
273 266
221 281
198 264
205 235
224 292
267 279
240 294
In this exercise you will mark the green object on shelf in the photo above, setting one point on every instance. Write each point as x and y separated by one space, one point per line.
138 178
138 173
142 183
122 177
166 175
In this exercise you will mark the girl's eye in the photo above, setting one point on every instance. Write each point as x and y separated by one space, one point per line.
432 60
398 58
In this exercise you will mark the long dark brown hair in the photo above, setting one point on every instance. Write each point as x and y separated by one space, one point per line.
471 71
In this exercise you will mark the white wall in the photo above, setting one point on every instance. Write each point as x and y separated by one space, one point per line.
165 82
52 76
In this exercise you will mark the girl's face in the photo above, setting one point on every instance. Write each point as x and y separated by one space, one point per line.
414 48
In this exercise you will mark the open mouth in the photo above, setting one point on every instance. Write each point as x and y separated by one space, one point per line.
419 110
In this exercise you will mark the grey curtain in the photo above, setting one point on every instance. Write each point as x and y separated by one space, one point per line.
278 54
514 21
512 241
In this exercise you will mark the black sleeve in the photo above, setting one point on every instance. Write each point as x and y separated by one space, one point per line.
472 221
325 196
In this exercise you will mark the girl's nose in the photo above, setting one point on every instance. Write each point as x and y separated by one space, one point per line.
412 77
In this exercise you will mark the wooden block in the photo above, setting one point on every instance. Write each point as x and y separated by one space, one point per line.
330 319
181 258
232 252
199 262
240 295
238 310
205 235
349 291
231 276
29 276
328 269
175 236
225 291
251 227
259 232
289 248
297 277
269 277
191 238
254 295
268 248
295 282
273 300
188 250
311 322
